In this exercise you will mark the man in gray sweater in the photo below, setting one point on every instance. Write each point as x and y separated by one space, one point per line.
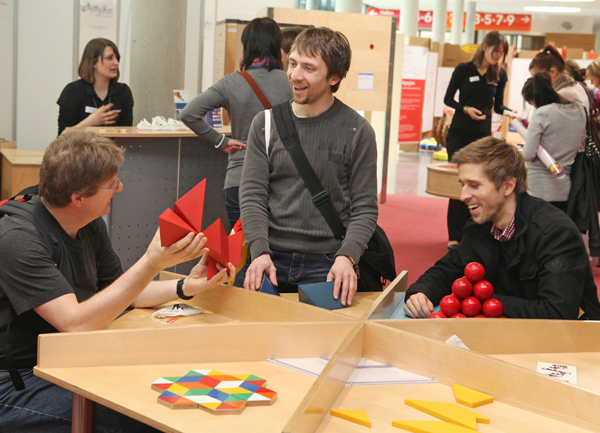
287 237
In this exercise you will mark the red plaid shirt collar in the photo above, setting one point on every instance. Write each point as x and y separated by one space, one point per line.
505 235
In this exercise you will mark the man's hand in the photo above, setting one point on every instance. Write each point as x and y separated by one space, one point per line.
257 268
418 306
233 146
196 282
188 248
342 273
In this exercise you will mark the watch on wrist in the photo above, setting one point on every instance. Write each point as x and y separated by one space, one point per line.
180 291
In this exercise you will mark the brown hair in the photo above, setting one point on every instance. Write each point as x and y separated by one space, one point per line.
492 39
93 51
593 69
575 71
547 59
77 162
500 161
288 36
538 89
332 46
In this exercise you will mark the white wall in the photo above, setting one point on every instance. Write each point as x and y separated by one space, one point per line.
6 70
45 58
554 24
193 27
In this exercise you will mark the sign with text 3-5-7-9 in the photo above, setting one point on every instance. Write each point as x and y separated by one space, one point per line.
414 72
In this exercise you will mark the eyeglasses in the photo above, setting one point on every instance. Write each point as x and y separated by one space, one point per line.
114 188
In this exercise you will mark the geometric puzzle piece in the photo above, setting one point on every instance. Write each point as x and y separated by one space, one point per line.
213 391
320 295
190 207
267 287
449 412
235 248
470 397
172 228
430 427
356 416
217 242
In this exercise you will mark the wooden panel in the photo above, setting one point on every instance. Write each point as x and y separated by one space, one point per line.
443 181
508 384
508 336
571 40
225 343
132 131
370 39
386 304
20 169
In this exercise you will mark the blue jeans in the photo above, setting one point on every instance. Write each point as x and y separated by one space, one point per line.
295 268
48 408
232 204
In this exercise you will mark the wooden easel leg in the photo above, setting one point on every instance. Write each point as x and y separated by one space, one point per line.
84 415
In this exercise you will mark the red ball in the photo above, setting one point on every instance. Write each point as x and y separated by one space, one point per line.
483 290
458 316
479 316
450 305
462 288
492 308
437 315
470 306
474 272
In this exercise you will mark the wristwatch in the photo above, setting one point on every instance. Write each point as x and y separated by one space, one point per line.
180 291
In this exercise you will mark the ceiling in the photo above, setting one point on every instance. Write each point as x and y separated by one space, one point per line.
504 6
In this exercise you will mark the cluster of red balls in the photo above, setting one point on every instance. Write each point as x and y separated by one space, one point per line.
471 296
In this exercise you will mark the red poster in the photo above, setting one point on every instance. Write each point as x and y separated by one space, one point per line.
411 111
483 20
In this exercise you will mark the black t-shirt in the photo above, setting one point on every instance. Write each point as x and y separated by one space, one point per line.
29 277
475 91
78 100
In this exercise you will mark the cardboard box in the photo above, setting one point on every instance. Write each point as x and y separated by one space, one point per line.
574 53
452 55
417 42
527 54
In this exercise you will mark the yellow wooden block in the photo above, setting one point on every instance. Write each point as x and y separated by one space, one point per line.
430 427
356 416
470 397
450 412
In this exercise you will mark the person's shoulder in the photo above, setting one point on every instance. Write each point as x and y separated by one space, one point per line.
74 88
14 230
464 67
543 215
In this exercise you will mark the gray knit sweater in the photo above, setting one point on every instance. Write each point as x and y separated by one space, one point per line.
277 209
233 93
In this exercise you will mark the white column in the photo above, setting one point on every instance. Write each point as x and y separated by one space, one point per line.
469 35
349 6
457 22
157 56
409 17
440 10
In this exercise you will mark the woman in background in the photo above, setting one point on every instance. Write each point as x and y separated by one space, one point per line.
550 61
592 73
261 40
560 126
288 36
98 98
480 83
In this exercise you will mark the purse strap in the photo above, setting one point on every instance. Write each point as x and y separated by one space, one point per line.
284 122
263 99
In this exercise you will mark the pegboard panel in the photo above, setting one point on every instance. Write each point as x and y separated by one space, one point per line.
149 176
200 160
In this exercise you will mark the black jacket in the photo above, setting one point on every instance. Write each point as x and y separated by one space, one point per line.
543 272
79 97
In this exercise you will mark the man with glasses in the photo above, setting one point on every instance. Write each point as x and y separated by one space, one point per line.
83 286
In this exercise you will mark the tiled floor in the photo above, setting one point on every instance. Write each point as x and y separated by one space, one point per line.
408 176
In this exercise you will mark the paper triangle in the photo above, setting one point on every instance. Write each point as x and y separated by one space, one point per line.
449 412
470 397
320 295
172 228
430 427
235 248
190 207
356 416
217 242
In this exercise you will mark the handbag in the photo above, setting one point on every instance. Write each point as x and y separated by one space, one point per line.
377 265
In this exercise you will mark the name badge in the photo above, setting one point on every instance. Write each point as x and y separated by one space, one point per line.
475 78
90 109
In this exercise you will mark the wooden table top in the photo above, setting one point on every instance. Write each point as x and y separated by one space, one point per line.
134 132
23 157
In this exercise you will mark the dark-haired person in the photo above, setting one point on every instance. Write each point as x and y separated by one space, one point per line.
481 84
288 238
261 40
593 74
533 254
288 36
549 60
85 289
97 98
560 126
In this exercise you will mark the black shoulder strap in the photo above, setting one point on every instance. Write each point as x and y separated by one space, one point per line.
282 114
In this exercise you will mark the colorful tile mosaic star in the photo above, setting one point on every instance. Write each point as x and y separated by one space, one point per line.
213 391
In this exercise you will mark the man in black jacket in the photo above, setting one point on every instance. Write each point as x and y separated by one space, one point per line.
532 252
